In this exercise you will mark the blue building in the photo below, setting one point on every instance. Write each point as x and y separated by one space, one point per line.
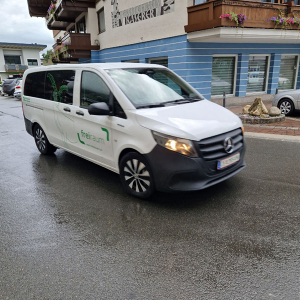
242 55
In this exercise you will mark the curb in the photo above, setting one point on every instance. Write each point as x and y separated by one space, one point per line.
277 137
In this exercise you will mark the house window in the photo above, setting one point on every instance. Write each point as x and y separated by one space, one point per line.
199 1
288 72
32 62
72 29
159 61
257 73
81 26
101 20
12 60
223 75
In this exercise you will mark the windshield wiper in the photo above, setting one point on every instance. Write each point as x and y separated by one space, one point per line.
182 101
151 106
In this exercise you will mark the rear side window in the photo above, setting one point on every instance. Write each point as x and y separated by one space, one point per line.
59 86
8 81
93 90
34 85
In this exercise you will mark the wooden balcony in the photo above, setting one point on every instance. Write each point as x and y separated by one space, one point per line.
207 15
38 8
66 13
72 47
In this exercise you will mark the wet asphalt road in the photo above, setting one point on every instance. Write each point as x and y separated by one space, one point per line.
68 231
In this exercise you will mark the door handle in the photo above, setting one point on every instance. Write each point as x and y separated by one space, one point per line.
67 109
80 113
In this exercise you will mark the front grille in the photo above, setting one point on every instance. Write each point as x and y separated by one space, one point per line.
213 148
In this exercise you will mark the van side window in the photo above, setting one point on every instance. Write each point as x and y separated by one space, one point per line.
93 90
59 86
34 85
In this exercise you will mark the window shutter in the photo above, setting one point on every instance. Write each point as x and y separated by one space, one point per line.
257 74
287 74
223 69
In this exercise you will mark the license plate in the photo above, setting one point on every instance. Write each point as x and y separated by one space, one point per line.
228 161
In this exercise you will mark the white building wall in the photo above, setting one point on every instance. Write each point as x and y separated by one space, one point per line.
92 24
163 26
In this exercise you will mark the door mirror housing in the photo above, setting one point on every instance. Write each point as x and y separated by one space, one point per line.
99 109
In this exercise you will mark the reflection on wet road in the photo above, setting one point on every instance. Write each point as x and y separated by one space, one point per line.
68 231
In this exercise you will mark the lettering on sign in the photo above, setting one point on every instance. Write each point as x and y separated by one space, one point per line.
148 10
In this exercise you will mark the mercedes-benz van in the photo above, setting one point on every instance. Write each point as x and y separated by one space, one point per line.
141 121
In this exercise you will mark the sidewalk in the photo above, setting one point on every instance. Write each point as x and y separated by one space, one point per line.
291 125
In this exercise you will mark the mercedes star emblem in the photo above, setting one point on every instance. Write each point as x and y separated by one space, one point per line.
228 145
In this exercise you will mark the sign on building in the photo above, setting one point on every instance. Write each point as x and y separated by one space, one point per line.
148 10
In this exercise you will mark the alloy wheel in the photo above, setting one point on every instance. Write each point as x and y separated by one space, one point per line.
137 177
285 107
40 139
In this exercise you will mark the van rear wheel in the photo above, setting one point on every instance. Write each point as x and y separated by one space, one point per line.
41 141
136 175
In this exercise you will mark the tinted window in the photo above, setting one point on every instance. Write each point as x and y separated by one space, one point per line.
8 81
93 90
34 84
59 86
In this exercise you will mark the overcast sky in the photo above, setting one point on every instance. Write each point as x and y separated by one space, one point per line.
16 25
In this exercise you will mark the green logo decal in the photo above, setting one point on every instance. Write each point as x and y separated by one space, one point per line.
80 139
57 94
26 99
90 137
107 133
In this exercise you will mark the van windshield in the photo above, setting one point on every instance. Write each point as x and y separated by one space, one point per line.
146 87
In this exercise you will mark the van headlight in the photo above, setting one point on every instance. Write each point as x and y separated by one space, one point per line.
182 146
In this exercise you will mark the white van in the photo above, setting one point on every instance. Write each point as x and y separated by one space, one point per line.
141 121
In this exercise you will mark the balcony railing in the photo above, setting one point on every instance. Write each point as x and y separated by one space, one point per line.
207 15
73 46
66 12
15 68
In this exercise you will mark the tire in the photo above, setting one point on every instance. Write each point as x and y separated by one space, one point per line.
286 106
136 175
42 142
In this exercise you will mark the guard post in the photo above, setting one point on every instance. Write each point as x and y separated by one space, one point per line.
224 99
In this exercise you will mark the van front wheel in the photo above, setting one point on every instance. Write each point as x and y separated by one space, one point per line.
136 175
42 142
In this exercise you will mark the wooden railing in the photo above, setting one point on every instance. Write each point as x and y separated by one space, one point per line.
76 45
207 15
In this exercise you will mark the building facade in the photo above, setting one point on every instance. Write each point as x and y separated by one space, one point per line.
194 38
16 58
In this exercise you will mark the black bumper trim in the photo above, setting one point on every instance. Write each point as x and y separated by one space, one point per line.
175 172
28 126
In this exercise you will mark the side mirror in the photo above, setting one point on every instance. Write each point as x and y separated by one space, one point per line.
99 109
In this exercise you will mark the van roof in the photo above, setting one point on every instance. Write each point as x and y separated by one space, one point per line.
103 66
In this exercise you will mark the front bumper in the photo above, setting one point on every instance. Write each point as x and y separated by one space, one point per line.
17 95
175 172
